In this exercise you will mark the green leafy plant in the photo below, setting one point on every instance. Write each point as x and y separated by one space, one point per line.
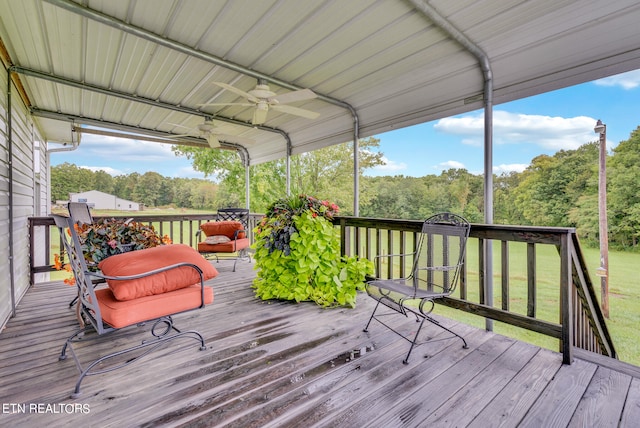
107 237
298 255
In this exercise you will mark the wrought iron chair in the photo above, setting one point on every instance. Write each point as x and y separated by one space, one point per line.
234 214
80 212
226 236
176 286
436 265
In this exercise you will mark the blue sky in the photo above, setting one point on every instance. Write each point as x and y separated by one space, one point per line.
523 129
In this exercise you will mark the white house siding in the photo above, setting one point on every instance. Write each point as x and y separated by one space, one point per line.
24 197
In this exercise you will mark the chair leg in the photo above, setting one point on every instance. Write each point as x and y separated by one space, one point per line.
433 321
413 342
151 344
242 255
366 328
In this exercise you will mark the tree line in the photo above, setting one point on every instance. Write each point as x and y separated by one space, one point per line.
150 188
558 190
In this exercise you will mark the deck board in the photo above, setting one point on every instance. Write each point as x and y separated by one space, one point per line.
280 364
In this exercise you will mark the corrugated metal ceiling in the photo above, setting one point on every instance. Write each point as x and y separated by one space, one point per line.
384 58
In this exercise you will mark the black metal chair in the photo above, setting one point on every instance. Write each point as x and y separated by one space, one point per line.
234 214
436 265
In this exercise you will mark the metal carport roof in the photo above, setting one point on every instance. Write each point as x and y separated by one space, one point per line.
143 65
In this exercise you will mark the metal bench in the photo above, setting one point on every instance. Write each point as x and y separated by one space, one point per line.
435 271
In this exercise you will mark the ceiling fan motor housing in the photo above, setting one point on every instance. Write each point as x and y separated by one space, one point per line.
262 92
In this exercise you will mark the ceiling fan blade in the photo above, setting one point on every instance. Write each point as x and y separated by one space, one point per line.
296 111
213 141
236 91
290 97
260 114
178 125
182 135
236 139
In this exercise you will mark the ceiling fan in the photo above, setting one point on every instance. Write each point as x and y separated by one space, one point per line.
262 99
210 132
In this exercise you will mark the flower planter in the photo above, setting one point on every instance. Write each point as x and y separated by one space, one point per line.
298 255
108 237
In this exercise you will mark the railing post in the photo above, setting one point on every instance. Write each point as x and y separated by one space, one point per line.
566 308
32 255
343 236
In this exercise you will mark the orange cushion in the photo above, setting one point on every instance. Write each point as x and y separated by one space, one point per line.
226 247
119 313
226 227
141 261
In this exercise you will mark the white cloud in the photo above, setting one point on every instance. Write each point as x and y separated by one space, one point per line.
125 156
507 168
549 133
390 166
111 171
628 80
112 149
443 166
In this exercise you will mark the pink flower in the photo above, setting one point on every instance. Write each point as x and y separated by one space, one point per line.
112 243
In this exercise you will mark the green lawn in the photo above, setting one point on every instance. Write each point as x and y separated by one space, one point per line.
624 295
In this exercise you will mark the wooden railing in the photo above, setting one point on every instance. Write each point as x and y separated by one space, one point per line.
180 228
580 322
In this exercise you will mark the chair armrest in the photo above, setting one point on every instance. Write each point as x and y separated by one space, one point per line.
376 259
127 281
237 232
148 273
442 268
394 255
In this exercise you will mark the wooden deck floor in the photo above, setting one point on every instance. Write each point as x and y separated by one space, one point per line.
280 364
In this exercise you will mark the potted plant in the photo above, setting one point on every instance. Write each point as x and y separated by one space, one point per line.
107 237
298 255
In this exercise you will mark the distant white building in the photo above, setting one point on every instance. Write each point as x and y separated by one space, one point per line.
104 201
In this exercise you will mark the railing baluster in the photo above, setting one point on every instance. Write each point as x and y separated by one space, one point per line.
531 280
481 273
504 258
